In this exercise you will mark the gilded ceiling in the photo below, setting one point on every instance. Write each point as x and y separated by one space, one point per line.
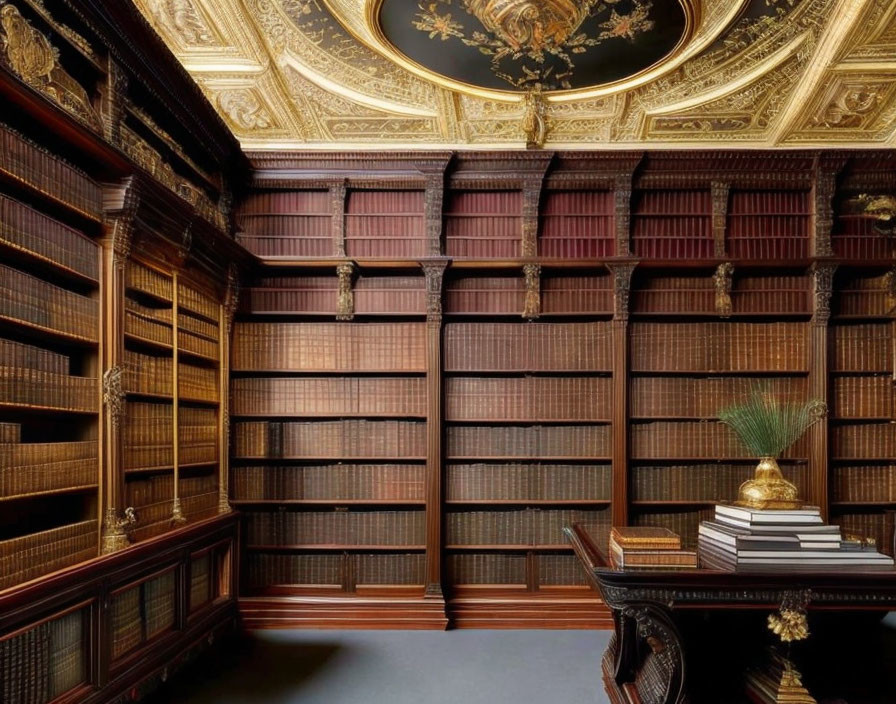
350 74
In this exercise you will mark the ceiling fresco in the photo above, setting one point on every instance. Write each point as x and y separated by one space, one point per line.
613 74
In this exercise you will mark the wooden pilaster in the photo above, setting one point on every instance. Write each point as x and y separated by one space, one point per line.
720 193
822 285
434 271
228 310
122 202
622 277
338 193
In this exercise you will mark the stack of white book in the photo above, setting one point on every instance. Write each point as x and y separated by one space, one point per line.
746 538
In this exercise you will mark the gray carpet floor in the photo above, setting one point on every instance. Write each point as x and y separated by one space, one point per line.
397 667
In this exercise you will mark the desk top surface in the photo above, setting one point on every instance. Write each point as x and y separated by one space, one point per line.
865 587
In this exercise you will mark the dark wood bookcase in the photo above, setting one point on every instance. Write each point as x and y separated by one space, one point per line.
580 321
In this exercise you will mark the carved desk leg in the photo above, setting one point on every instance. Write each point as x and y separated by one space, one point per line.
645 663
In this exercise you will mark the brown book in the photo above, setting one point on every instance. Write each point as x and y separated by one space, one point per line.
645 538
625 558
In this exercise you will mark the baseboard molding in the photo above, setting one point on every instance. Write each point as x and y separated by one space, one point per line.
343 612
562 612
542 612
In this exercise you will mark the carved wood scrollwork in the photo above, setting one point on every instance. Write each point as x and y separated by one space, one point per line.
720 193
116 95
338 193
433 204
345 301
29 54
531 196
622 284
434 273
113 395
122 224
532 303
722 280
231 298
825 187
623 205
651 655
822 287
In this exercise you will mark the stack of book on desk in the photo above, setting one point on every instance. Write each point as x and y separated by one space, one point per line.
649 548
746 538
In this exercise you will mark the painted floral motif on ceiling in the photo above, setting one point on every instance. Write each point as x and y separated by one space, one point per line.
534 45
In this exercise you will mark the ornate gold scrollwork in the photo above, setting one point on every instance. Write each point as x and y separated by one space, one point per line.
345 301
532 304
791 623
722 280
29 54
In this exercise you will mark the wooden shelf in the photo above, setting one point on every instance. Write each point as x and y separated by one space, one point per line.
327 502
527 502
50 333
86 488
335 547
506 548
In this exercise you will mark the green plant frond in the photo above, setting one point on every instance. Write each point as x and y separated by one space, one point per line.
766 425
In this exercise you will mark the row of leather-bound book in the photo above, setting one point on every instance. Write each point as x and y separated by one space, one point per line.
855 237
528 398
34 468
152 497
200 581
329 347
44 662
335 527
334 569
864 347
25 161
314 396
142 612
148 324
704 397
198 345
528 347
201 304
197 326
32 555
372 482
25 229
470 568
527 482
718 346
38 303
871 483
149 435
683 439
864 441
529 526
148 374
32 376
697 294
148 280
338 439
863 396
701 482
547 441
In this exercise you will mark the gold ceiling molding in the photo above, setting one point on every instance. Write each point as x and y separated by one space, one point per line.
319 74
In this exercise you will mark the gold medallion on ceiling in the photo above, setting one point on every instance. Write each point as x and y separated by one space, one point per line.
551 46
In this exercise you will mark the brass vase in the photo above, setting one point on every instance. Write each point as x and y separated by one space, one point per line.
768 489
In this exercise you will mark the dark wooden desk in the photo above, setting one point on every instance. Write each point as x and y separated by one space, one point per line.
689 636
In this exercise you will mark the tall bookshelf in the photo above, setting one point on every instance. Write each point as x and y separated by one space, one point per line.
594 317
329 419
172 380
50 211
863 409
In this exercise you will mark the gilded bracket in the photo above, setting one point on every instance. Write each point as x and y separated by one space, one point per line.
722 280
345 298
532 303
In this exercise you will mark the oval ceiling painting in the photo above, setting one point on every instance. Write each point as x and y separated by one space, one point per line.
523 45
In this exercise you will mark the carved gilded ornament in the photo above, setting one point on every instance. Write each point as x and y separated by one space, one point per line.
532 302
722 280
113 395
244 110
345 299
29 54
182 21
